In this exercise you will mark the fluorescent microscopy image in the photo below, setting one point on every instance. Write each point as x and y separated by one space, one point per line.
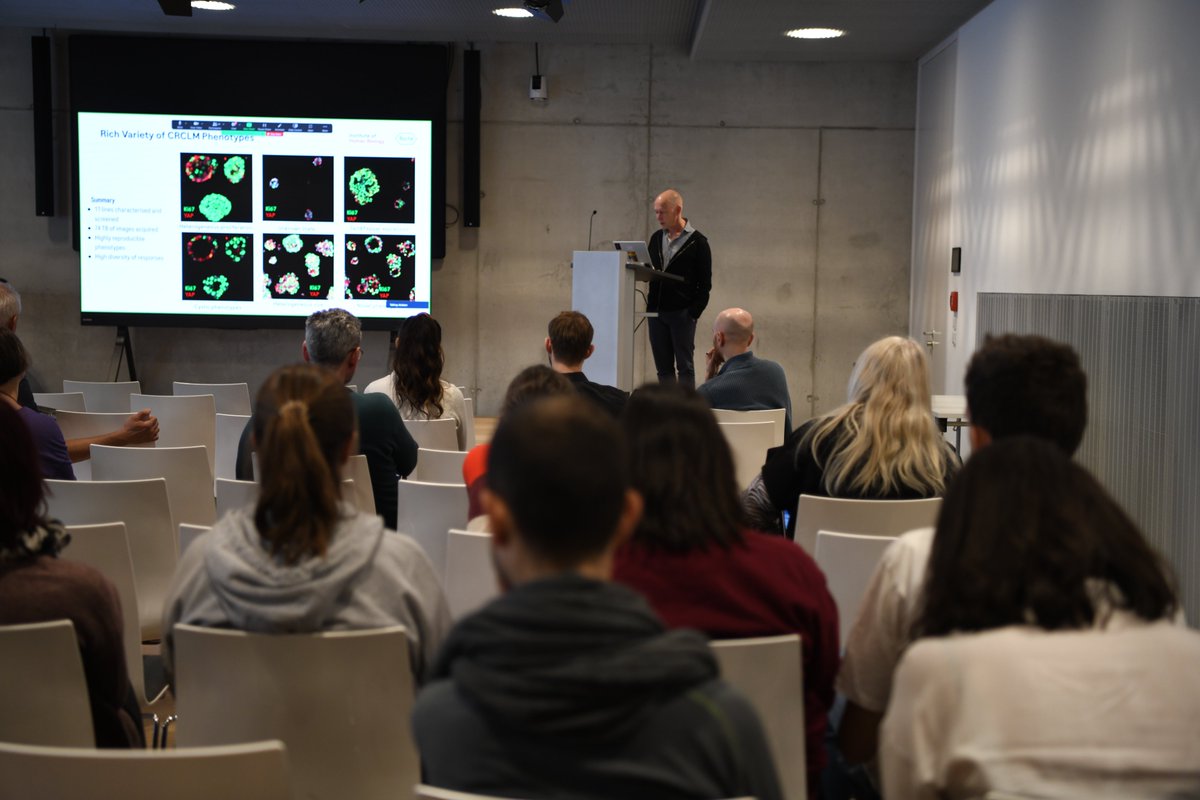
292 243
295 269
200 168
201 247
312 263
300 188
215 207
288 284
379 189
324 248
369 285
215 187
215 286
375 269
273 183
235 169
374 244
214 266
235 248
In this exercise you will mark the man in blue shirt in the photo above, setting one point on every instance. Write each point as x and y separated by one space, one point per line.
738 380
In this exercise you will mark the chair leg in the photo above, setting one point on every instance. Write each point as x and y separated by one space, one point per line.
154 733
165 728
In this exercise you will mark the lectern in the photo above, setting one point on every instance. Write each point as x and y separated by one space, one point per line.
602 288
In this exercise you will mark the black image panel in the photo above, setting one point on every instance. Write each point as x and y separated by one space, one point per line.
298 188
380 189
218 266
297 266
379 267
215 187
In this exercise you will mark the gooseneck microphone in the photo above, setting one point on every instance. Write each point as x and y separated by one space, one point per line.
591 219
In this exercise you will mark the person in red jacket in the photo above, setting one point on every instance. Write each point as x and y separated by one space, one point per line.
697 564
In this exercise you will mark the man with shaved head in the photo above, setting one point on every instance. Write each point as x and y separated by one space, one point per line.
678 249
736 378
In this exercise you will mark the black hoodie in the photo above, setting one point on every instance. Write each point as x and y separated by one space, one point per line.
571 688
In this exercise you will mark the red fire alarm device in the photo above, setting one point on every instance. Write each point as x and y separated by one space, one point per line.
954 302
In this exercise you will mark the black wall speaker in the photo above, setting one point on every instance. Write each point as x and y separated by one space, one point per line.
43 129
472 99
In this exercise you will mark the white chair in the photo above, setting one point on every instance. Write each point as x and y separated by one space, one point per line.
470 575
778 416
144 508
87 424
848 561
434 434
189 482
749 442
869 517
233 494
426 792
439 466
105 396
257 771
230 398
769 672
229 429
183 421
106 548
427 511
469 422
340 701
43 692
60 401
188 534
358 470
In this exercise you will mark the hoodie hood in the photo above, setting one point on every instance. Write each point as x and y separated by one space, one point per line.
259 592
572 657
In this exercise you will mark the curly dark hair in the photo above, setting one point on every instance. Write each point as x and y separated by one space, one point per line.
417 364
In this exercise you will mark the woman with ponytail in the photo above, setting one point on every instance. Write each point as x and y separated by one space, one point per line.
301 560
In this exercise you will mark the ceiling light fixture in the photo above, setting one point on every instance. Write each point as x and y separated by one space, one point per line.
212 5
512 13
815 33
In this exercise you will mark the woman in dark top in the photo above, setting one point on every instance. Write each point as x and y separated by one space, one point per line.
48 440
37 586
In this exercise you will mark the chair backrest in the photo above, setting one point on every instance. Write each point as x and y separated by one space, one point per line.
439 466
230 398
183 421
340 701
434 434
233 494
104 396
848 561
427 511
470 575
86 424
869 517
229 429
426 792
106 548
749 442
144 508
769 672
60 401
778 416
189 482
43 693
188 534
257 771
469 422
358 470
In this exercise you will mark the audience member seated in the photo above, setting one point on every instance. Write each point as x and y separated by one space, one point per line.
568 685
697 564
48 440
301 561
1014 385
531 383
415 384
737 379
37 586
569 344
1048 662
881 445
333 339
141 427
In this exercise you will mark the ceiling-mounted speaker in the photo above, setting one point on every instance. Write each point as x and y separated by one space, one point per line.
472 103
43 129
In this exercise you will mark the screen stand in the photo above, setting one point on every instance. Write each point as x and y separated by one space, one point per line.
125 348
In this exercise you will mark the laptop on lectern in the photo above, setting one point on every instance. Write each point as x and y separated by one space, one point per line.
635 252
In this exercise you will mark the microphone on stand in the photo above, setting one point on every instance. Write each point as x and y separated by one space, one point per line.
591 219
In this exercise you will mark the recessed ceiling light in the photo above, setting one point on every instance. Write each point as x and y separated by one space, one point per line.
212 5
815 33
512 13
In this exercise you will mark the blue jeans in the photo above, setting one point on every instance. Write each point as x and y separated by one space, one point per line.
673 343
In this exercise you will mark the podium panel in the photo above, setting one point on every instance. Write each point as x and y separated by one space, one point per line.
603 290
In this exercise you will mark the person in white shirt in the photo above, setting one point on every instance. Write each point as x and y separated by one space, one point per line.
415 383
1047 661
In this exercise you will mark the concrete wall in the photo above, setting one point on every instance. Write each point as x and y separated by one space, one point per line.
800 174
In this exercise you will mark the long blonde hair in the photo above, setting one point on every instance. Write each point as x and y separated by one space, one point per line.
884 439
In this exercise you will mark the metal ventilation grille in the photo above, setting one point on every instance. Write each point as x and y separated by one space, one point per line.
1142 357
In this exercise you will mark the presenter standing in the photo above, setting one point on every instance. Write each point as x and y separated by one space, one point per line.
679 249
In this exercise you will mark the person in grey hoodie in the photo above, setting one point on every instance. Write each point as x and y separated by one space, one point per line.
301 561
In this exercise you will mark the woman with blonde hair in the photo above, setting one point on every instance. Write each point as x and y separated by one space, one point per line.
415 383
300 560
883 444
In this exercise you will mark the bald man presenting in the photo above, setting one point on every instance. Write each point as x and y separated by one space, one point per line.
678 249
737 379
